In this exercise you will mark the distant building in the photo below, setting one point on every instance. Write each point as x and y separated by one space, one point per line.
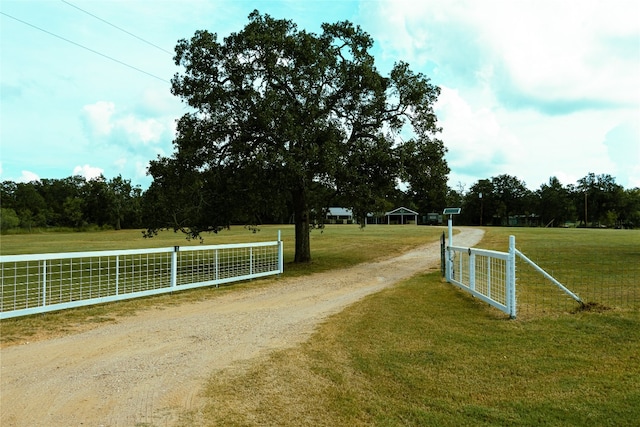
432 218
400 215
339 216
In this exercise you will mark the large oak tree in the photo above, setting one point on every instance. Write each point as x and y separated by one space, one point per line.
283 118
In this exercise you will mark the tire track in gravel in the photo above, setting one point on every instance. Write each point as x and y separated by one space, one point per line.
145 369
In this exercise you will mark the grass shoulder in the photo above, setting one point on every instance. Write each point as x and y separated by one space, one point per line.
424 353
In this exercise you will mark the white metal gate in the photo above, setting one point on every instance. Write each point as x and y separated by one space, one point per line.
40 283
491 275
488 275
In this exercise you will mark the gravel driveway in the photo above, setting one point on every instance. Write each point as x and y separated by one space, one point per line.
145 369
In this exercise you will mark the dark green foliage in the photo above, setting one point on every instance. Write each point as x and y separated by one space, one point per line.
8 219
289 121
73 202
506 201
555 203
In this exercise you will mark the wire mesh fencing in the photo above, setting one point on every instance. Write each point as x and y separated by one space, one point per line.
557 271
605 277
39 283
486 274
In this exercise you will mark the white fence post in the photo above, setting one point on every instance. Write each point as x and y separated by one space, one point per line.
250 261
280 253
44 283
450 251
174 266
472 270
511 278
488 277
217 276
117 274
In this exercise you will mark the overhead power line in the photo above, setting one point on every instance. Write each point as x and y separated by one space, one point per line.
119 28
84 47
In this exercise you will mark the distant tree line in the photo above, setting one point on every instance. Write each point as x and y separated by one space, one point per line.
77 203
594 201
72 202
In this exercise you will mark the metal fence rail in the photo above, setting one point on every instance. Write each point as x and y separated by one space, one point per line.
491 275
488 275
39 283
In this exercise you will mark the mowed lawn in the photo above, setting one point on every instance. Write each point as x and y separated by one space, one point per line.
423 352
336 246
333 246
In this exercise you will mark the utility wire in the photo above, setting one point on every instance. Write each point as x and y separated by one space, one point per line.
115 26
84 47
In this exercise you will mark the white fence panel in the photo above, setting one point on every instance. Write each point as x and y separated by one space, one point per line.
39 283
491 275
488 275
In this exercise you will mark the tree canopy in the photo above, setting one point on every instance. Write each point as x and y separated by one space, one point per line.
282 118
71 202
595 201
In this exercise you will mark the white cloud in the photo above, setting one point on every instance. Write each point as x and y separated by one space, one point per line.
138 168
157 102
529 88
145 131
142 169
477 142
131 137
120 163
104 120
98 117
88 172
570 146
623 148
566 178
583 52
28 176
564 49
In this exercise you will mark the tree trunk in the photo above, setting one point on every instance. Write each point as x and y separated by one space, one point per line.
301 213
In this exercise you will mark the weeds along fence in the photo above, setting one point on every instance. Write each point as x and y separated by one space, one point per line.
46 282
550 278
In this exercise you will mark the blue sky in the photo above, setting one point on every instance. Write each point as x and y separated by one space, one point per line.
532 89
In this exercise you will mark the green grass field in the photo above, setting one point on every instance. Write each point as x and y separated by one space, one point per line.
426 354
423 352
334 247
602 266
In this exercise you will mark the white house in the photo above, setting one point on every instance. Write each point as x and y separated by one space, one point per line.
339 216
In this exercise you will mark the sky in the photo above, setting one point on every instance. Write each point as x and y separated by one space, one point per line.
533 89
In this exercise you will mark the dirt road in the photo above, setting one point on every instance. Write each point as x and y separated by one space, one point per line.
145 369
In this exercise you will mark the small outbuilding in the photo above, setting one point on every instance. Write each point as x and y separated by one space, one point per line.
401 215
339 216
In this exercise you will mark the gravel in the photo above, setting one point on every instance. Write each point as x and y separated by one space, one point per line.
146 369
